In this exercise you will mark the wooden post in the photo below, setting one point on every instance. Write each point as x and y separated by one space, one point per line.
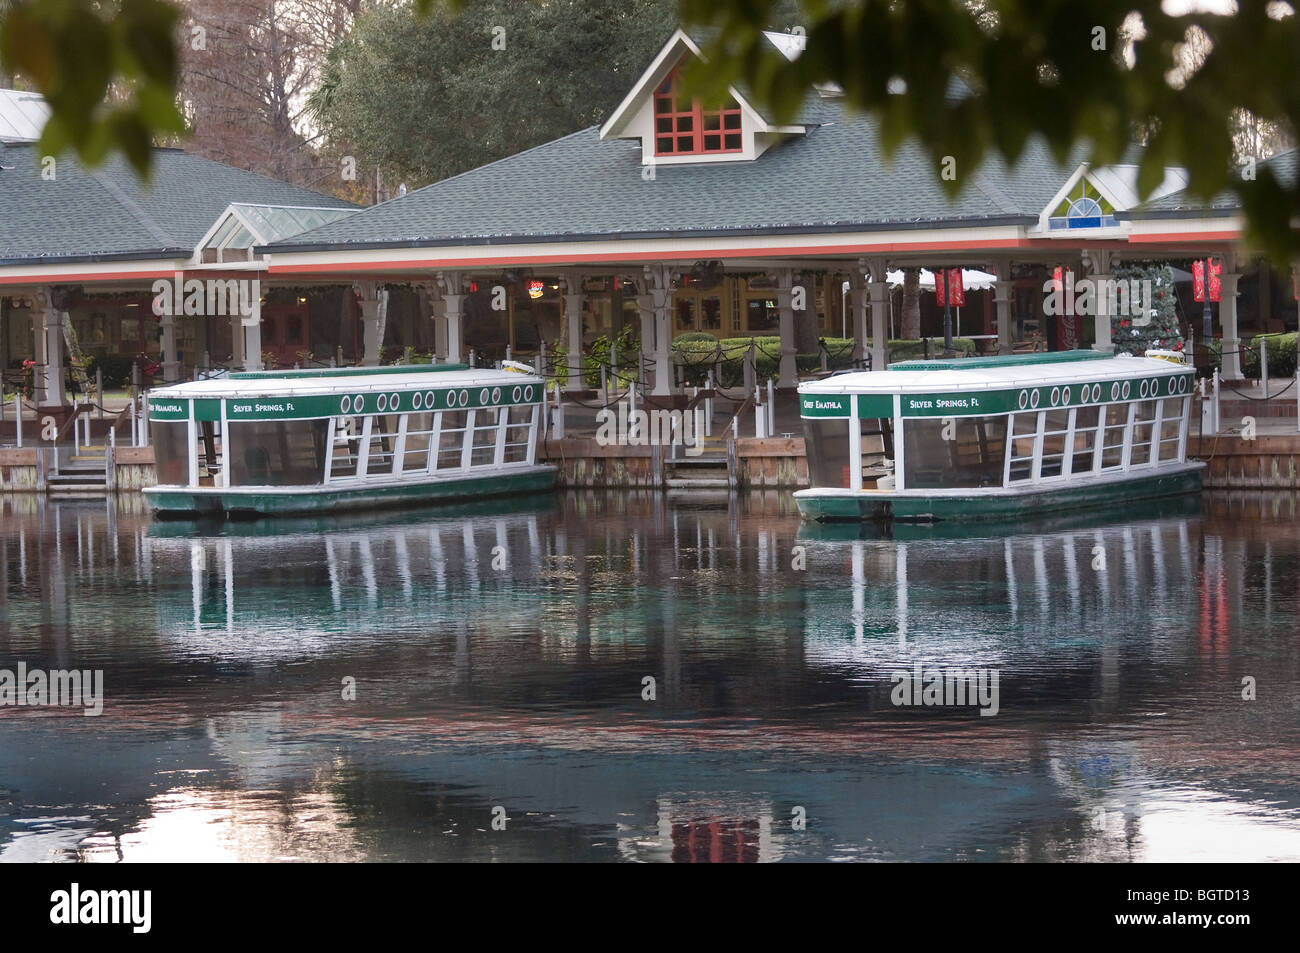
110 465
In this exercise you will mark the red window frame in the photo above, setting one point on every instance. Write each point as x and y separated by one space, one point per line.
687 129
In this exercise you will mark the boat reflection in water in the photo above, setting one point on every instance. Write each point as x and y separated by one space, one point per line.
372 687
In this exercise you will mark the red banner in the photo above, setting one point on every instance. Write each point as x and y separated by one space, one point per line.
1198 280
947 283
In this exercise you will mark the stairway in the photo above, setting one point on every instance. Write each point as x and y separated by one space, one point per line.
83 474
705 472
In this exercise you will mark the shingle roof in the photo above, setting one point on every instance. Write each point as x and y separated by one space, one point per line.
579 186
108 213
1285 166
22 115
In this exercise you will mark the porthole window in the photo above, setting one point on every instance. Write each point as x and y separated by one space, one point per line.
514 394
483 397
394 401
359 404
1096 392
428 399
1024 399
1144 390
1065 396
345 405
1033 399
528 394
1056 396
417 402
464 398
382 402
496 395
1114 391
1126 391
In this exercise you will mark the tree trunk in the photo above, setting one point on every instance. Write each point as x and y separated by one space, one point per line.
806 329
911 318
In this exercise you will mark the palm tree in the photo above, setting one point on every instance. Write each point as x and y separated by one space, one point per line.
910 329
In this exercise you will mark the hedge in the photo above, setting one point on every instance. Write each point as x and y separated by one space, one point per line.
1281 355
699 354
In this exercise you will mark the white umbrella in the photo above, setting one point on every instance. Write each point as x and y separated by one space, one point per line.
971 279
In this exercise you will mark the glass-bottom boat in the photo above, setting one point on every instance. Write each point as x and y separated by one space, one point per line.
304 441
996 437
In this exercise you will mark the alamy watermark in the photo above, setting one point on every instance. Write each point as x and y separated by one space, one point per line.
57 688
652 428
947 687
1099 297
209 297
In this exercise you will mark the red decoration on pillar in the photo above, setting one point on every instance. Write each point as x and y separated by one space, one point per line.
948 285
956 289
1199 280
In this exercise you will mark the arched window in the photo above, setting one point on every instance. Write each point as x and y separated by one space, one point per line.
683 128
1085 208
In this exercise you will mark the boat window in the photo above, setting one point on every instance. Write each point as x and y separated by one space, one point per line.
347 447
827 441
1114 423
1085 439
171 451
1024 434
1144 418
1056 424
419 431
483 452
277 452
519 434
383 444
451 440
1171 425
942 452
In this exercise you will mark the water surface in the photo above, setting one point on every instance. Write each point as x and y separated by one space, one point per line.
500 658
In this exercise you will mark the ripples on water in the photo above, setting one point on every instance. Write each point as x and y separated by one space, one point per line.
499 658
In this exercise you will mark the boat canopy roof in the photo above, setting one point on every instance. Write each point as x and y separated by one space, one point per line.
996 373
342 380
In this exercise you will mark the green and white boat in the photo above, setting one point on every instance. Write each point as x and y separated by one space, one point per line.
312 441
996 437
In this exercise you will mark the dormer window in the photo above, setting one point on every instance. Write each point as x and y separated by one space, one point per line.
1087 208
683 127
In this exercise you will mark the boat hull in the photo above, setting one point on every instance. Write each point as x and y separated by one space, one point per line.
188 502
921 507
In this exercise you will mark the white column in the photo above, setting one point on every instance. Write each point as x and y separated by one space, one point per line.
879 294
369 292
433 295
236 338
858 301
789 370
658 281
1099 271
453 301
1002 303
171 364
573 324
51 334
1228 316
251 335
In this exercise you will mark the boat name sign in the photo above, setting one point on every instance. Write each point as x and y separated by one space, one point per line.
1011 400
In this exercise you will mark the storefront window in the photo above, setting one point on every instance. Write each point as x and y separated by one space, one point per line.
948 452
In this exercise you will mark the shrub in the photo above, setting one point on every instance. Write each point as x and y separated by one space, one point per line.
117 370
1281 355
